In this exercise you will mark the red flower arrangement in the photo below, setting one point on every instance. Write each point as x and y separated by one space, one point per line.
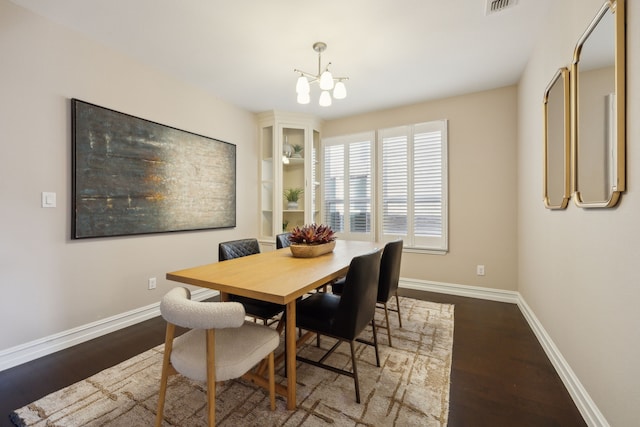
313 234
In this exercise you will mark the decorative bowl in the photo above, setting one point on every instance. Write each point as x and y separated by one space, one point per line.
310 251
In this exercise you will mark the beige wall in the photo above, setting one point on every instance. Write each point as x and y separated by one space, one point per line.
50 283
482 185
578 268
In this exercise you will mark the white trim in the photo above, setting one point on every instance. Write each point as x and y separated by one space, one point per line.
461 290
587 407
32 350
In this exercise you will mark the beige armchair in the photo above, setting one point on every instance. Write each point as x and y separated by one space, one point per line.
220 346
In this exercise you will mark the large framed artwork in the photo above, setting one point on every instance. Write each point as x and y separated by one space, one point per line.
134 176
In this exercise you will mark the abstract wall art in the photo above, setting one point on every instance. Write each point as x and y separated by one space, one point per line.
134 176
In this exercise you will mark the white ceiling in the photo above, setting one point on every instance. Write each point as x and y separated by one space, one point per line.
395 52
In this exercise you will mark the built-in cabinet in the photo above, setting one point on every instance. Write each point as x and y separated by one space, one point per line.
289 163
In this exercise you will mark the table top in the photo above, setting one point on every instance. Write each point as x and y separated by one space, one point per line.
275 276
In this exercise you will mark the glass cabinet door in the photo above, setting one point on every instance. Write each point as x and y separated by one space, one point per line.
267 182
293 178
315 177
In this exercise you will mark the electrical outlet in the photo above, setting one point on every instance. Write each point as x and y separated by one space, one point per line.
152 283
480 270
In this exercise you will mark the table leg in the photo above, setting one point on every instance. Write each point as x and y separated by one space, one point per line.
224 296
290 337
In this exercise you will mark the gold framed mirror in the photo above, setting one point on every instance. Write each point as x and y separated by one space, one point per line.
557 141
598 110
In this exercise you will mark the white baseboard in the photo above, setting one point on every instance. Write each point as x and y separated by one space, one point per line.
587 407
26 352
461 290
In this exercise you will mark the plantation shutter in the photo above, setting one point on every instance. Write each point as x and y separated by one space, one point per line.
429 185
334 156
360 187
413 185
348 185
395 182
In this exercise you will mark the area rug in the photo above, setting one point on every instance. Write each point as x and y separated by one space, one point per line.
411 388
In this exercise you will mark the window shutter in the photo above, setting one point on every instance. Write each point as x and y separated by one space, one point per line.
360 187
427 184
348 188
395 202
413 185
334 156
409 185
430 185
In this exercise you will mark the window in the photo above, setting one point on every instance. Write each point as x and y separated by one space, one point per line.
412 178
348 185
410 181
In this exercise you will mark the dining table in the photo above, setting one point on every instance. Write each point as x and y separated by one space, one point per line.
277 276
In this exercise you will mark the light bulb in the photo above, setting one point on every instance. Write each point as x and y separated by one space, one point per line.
302 86
325 99
303 98
326 80
340 91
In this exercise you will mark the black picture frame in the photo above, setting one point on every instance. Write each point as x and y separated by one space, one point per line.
134 176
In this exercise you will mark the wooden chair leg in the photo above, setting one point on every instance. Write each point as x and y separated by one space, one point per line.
386 319
398 304
166 362
272 382
355 371
211 377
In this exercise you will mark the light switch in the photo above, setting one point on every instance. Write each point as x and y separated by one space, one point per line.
48 200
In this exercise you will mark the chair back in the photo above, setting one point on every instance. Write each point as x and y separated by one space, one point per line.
177 307
358 301
237 249
389 270
282 240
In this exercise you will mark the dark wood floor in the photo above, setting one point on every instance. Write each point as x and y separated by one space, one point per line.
500 375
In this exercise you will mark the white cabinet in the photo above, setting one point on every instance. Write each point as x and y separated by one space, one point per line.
289 154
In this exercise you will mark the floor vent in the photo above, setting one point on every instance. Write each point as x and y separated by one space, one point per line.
494 6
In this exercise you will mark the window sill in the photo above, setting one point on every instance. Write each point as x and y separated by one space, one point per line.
414 250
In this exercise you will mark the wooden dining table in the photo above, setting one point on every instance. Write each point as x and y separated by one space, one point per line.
278 277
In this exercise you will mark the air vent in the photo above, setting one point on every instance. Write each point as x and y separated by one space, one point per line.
495 6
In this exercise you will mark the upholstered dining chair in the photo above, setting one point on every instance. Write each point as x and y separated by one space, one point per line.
282 240
262 310
387 283
345 316
219 346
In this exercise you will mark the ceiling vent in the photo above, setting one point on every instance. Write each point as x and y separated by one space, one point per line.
495 6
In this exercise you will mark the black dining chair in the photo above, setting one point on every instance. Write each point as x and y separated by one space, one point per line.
387 283
262 310
345 316
282 240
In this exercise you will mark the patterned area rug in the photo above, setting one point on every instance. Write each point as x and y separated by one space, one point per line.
411 388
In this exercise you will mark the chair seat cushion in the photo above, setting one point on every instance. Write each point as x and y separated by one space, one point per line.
317 312
236 351
338 286
257 308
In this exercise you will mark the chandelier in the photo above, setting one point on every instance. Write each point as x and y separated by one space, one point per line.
324 78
